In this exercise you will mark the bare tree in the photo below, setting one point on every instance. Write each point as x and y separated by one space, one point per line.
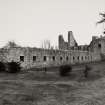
11 44
46 44
102 20
56 47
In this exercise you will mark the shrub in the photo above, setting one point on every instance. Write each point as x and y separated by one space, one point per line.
65 70
86 71
2 66
13 67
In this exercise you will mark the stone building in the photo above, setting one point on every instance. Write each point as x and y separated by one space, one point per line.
69 44
68 53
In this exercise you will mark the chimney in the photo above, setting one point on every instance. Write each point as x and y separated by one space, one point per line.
70 33
60 41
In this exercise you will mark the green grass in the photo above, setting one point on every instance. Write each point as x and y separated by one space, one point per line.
40 88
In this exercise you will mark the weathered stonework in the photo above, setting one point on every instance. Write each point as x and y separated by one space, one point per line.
66 54
70 43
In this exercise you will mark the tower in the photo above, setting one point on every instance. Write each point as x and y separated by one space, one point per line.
71 40
61 42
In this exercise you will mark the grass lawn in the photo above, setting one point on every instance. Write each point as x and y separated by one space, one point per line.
40 88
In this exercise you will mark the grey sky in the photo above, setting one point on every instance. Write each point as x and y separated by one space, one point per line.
28 22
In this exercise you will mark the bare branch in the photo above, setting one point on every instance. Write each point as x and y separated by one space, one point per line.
101 21
102 14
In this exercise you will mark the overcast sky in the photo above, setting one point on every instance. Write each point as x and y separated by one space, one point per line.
28 22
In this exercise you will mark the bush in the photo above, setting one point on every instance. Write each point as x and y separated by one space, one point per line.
2 66
86 71
13 67
65 70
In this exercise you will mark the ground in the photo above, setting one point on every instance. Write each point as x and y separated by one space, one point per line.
40 88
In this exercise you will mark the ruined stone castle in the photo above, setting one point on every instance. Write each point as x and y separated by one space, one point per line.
68 53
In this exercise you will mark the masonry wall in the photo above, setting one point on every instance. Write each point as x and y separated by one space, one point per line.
97 47
66 45
34 57
62 44
71 40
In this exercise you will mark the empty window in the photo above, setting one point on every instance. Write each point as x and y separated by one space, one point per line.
22 58
34 58
99 45
44 58
53 58
78 57
73 58
85 57
67 58
61 58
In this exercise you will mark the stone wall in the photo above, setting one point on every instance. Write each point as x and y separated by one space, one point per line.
36 57
97 46
62 44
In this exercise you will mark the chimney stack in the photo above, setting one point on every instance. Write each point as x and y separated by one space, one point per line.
70 33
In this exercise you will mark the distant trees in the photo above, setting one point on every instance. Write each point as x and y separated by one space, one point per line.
46 44
11 44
